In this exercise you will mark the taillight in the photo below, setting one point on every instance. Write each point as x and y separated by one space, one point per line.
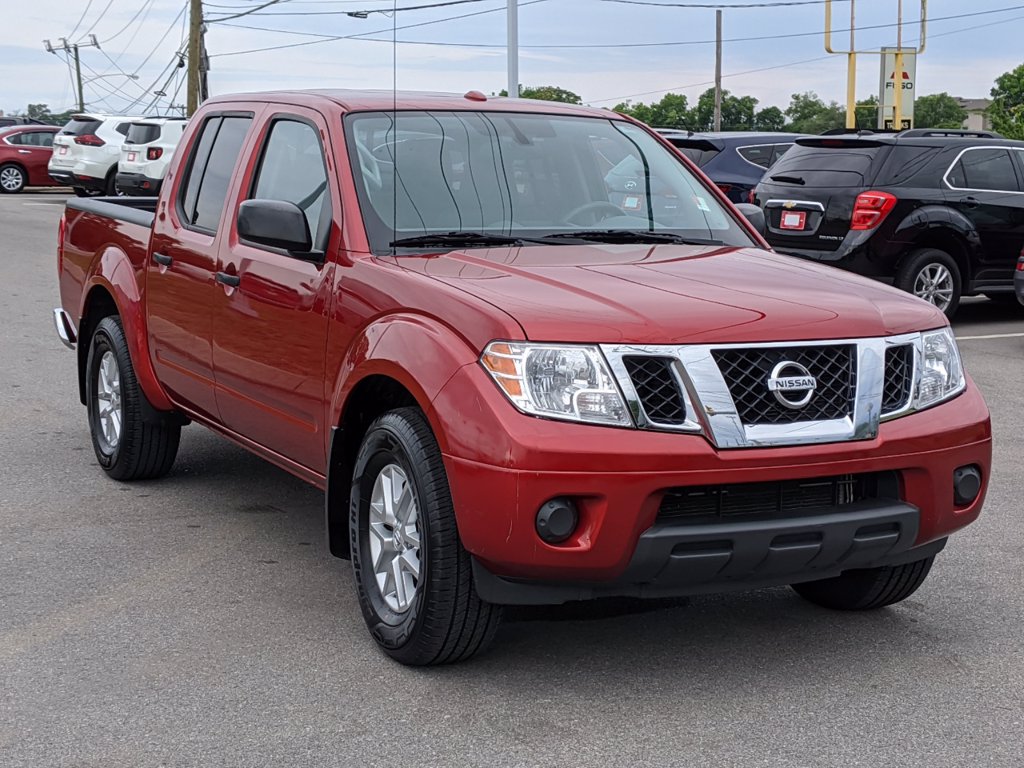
1020 261
154 153
751 196
870 209
90 141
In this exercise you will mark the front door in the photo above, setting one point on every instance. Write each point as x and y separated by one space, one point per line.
180 287
270 327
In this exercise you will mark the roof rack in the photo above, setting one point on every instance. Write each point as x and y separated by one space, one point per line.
856 131
930 133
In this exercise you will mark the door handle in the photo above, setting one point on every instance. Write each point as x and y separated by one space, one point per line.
971 202
24 151
230 280
163 260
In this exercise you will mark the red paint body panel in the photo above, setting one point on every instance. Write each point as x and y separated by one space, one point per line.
30 158
271 363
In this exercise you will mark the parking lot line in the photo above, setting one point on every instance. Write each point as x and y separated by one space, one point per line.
991 336
60 203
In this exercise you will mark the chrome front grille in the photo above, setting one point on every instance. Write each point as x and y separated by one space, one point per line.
730 392
746 372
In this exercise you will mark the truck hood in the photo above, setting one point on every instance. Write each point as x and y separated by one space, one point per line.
675 294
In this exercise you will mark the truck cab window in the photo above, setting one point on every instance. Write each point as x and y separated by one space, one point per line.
292 169
213 161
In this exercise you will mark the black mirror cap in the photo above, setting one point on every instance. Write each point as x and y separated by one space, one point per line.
754 215
275 223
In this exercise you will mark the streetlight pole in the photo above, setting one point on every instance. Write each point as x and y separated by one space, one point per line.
513 48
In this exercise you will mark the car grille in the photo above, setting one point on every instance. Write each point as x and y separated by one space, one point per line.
774 500
746 373
899 378
657 388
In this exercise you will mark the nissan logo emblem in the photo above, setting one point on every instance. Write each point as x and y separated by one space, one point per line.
792 384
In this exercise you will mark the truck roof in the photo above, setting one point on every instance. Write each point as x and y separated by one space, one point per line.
385 100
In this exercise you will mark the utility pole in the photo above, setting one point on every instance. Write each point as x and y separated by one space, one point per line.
897 82
72 48
195 46
718 70
513 48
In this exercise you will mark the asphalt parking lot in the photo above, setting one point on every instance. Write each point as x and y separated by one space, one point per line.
198 621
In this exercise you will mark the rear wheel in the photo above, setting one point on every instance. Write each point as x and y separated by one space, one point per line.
413 577
12 179
867 589
110 187
932 275
127 445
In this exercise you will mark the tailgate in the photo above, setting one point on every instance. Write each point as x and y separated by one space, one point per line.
808 219
64 151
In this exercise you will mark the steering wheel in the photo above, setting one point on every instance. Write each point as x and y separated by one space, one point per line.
370 166
595 209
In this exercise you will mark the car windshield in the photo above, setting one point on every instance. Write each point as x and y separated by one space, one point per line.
481 178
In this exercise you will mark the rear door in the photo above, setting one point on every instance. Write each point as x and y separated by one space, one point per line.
270 326
808 195
183 260
985 185
34 149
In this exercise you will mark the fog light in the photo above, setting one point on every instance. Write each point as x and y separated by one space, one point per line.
966 485
556 520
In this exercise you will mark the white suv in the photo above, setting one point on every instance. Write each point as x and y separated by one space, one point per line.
146 153
86 150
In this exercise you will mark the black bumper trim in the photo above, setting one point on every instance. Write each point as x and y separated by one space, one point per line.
678 559
138 184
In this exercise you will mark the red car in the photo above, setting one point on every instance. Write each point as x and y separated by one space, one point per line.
530 353
24 153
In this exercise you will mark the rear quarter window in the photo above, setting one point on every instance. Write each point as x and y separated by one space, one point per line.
760 155
140 133
829 166
80 127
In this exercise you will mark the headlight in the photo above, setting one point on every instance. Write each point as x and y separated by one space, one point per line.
942 374
558 382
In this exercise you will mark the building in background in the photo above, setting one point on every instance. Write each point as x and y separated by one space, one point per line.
977 114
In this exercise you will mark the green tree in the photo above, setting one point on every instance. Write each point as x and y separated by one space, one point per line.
939 110
807 113
770 119
1007 110
546 93
671 112
38 112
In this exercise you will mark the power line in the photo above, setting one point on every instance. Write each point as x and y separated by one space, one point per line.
363 35
618 99
260 7
722 6
98 19
361 13
81 19
144 7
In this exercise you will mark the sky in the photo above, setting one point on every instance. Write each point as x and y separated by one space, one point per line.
607 51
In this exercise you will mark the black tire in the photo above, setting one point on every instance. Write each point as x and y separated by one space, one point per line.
445 621
917 262
13 177
144 449
83 192
110 187
867 589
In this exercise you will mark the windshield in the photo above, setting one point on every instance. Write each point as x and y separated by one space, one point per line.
523 175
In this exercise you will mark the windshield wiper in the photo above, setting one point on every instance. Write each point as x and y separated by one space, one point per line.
632 236
460 238
789 179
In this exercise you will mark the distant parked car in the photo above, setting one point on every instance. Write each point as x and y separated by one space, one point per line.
6 121
734 160
937 213
86 151
146 153
24 152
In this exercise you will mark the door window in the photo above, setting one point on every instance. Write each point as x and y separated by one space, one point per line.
32 139
213 161
984 169
292 169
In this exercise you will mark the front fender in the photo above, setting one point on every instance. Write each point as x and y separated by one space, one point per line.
416 351
114 273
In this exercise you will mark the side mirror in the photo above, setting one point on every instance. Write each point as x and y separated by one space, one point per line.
754 215
276 223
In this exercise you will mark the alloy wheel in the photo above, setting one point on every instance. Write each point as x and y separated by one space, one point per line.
108 405
11 179
934 284
395 538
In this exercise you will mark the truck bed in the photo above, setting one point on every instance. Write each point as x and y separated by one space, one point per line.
134 210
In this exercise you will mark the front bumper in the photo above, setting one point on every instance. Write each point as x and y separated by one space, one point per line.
503 466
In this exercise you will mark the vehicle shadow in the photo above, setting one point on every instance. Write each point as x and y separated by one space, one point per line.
977 311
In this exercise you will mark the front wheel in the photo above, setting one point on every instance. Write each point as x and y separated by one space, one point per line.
932 275
867 588
128 445
413 577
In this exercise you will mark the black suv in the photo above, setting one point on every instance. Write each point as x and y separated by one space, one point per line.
937 213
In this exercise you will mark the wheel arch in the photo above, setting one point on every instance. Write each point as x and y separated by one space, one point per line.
945 229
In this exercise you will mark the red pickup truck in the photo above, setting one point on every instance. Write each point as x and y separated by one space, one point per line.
529 352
